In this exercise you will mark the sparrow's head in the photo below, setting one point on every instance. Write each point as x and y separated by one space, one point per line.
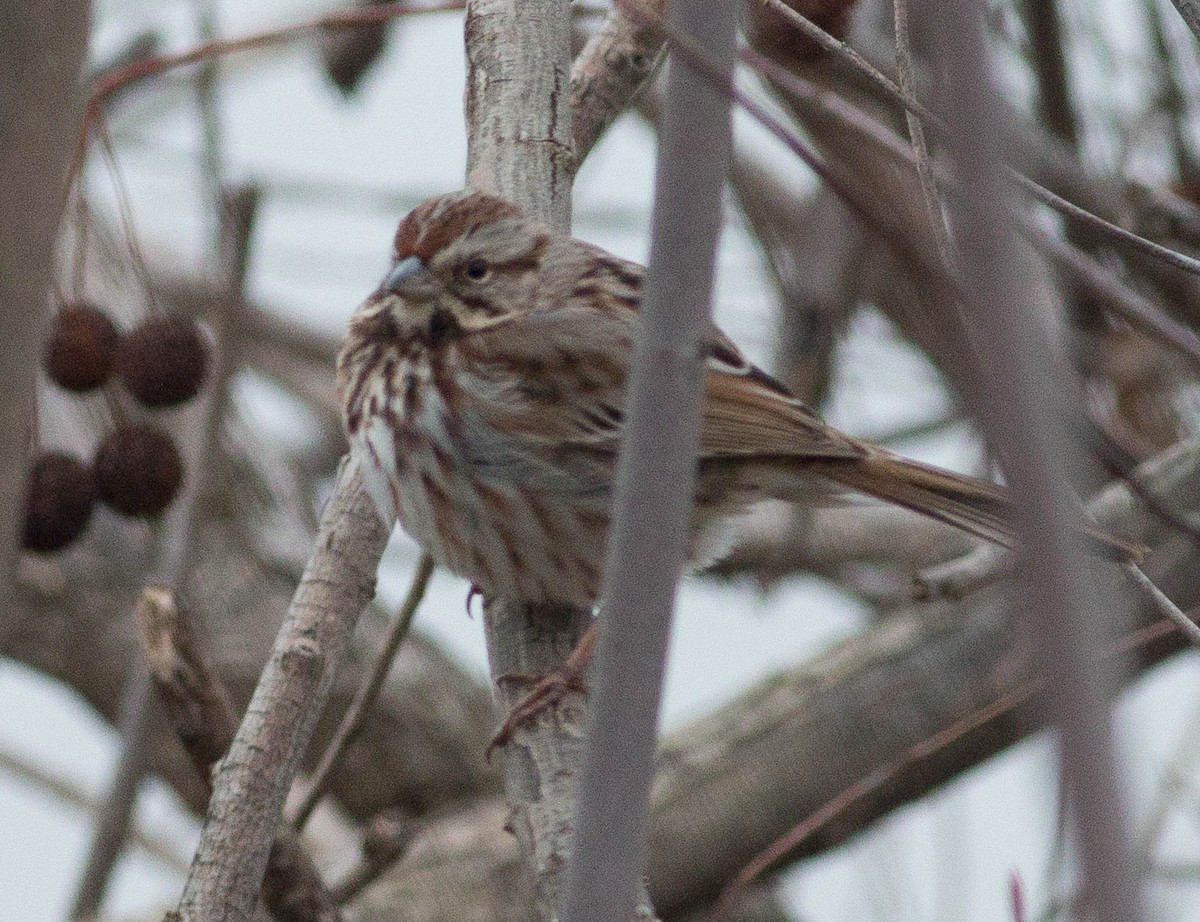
458 261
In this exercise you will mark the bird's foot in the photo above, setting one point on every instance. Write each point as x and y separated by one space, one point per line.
548 690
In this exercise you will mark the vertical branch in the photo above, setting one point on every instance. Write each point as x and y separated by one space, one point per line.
1023 421
519 137
655 479
42 46
517 107
1043 24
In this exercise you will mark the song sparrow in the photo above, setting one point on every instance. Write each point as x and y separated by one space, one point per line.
483 390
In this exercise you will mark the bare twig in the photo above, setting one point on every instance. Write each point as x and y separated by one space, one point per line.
888 773
141 719
71 793
151 67
1024 424
1135 307
203 716
1163 603
385 840
916 130
141 713
613 66
906 99
360 707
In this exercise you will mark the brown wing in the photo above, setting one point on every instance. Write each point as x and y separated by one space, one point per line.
748 413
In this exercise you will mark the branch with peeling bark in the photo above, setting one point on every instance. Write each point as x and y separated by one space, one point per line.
202 713
253 780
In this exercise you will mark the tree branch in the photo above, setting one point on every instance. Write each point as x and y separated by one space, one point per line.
519 146
254 778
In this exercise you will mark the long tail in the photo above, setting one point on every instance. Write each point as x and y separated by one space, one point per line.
976 506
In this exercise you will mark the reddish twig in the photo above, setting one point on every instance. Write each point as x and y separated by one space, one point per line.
145 68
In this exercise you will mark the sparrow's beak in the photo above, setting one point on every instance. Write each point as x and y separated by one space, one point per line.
411 280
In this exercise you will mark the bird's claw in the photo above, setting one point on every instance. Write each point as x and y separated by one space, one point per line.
548 691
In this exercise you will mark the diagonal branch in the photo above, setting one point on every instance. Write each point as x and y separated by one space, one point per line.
253 780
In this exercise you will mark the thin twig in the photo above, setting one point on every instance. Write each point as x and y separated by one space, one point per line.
360 707
916 130
385 840
907 99
1136 308
150 67
140 719
1163 603
71 793
1023 422
173 558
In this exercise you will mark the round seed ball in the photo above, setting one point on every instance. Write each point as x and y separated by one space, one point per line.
58 502
79 356
163 362
138 470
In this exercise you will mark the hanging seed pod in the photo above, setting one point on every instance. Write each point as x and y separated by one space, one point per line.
79 356
138 470
58 502
163 362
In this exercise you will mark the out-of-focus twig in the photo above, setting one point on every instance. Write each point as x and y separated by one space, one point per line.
141 715
655 481
69 792
385 840
1024 424
150 67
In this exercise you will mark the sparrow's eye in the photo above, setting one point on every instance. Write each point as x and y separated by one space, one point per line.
477 270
